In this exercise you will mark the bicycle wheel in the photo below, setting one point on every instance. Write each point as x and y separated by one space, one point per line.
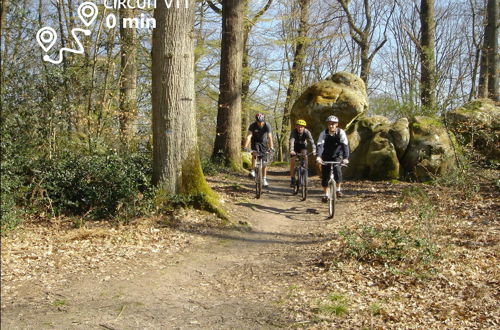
258 181
297 182
332 198
303 183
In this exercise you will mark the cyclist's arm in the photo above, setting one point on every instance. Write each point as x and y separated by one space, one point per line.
248 139
269 136
311 141
270 139
292 141
344 144
321 144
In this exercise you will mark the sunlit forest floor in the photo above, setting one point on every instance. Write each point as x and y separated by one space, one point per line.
396 255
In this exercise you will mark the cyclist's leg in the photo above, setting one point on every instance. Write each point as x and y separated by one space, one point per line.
263 149
292 170
337 172
325 177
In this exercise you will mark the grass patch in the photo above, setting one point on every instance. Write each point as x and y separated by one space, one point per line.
59 303
336 305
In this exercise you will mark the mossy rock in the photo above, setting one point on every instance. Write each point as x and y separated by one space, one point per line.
246 159
430 152
373 153
343 95
476 124
400 136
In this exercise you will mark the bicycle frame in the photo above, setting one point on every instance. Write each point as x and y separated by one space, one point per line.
332 188
301 175
260 163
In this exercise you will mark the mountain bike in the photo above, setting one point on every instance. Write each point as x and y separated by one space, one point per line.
260 162
301 175
332 188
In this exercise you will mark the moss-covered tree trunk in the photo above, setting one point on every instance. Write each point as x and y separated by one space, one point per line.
227 145
128 78
176 162
427 61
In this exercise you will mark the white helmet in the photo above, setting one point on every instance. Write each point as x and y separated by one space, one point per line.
332 119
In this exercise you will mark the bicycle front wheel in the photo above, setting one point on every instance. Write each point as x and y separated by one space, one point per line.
303 183
258 182
332 198
297 182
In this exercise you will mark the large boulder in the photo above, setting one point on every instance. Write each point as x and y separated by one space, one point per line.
374 155
343 95
430 152
477 125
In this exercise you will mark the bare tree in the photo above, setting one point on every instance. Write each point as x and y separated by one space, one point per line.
227 143
427 58
362 35
300 42
490 49
128 78
246 69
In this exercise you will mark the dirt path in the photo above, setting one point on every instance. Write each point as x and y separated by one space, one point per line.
397 255
229 278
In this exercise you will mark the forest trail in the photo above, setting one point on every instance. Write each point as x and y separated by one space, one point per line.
396 255
228 278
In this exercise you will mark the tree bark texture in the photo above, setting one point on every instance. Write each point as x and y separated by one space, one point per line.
176 163
128 79
301 43
427 60
491 49
228 135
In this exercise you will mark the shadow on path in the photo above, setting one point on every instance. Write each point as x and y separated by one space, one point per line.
260 236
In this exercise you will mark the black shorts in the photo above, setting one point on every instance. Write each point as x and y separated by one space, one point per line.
299 147
325 173
260 147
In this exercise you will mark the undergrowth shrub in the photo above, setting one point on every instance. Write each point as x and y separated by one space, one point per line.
96 186
416 199
403 251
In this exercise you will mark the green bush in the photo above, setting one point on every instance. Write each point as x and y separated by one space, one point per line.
93 185
387 246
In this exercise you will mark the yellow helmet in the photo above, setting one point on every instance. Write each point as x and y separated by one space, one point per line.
301 122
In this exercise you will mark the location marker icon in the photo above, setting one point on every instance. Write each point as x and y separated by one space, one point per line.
46 38
88 12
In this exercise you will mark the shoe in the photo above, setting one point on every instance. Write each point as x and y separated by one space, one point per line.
252 174
324 199
266 184
339 194
292 183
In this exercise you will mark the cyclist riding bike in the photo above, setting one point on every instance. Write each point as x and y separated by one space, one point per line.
332 146
299 138
260 137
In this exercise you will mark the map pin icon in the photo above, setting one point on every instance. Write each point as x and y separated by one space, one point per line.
46 38
88 13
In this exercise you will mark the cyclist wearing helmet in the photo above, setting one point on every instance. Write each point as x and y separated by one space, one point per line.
332 146
261 138
299 137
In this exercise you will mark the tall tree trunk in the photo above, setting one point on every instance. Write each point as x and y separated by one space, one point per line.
176 161
245 79
301 43
427 61
246 70
128 79
482 85
228 139
491 47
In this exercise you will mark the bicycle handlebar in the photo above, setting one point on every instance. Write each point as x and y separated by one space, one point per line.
333 163
303 155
